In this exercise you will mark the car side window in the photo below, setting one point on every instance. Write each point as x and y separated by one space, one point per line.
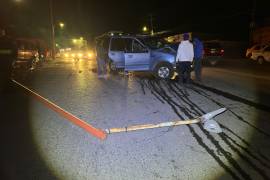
138 48
118 44
128 45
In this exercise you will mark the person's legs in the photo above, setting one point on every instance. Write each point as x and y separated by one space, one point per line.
198 69
188 70
99 67
180 68
184 73
104 68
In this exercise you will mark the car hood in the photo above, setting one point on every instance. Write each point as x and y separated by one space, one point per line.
165 50
165 53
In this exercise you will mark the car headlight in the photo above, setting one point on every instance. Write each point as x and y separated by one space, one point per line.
73 55
66 55
90 55
80 55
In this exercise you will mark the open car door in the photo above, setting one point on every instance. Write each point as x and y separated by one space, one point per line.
137 56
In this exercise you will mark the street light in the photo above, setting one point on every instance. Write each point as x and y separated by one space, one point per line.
145 29
62 25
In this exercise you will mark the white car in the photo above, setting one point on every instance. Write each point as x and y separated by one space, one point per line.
255 48
262 55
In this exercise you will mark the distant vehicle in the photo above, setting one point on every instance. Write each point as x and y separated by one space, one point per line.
213 52
255 48
262 55
27 54
136 53
77 54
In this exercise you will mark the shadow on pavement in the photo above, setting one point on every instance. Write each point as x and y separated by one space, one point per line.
254 155
19 156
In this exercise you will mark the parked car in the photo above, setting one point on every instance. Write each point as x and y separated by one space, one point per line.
27 54
255 48
262 55
137 53
213 52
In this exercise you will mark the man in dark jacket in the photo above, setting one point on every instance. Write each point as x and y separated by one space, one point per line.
198 55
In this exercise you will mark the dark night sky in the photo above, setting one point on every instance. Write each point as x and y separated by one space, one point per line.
92 17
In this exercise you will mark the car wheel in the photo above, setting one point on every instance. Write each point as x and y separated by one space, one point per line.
164 71
260 60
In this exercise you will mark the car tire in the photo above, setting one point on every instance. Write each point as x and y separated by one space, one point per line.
260 60
163 71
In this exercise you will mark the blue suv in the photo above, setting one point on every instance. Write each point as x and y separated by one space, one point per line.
139 53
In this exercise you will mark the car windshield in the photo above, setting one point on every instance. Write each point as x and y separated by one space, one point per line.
153 43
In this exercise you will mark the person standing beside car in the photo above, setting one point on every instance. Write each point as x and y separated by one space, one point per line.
184 58
198 55
101 60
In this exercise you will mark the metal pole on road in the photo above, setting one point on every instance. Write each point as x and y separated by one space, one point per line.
67 115
207 120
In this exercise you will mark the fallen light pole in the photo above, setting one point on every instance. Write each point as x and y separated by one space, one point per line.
67 115
207 120
209 124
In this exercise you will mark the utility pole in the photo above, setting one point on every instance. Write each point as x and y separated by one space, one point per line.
252 22
52 29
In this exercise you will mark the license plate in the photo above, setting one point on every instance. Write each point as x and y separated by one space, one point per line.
212 51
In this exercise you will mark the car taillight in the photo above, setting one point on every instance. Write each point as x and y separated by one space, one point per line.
222 52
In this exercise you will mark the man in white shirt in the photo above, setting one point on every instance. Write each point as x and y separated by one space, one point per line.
184 58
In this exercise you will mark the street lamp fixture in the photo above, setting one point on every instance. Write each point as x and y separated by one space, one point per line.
62 25
145 29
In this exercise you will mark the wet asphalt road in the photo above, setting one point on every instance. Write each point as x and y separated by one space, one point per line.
39 144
